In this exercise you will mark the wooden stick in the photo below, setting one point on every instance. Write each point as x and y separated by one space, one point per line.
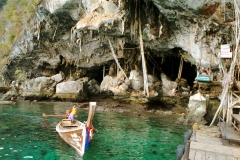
53 115
92 106
194 135
221 104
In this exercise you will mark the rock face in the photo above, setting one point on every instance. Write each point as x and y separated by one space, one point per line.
42 87
74 36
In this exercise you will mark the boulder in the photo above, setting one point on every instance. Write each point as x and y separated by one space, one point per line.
118 84
40 87
93 87
197 108
11 93
72 90
136 80
168 85
57 78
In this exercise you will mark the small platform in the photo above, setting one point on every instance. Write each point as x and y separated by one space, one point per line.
228 132
68 123
208 146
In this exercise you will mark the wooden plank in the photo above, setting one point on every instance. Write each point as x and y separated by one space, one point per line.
210 156
200 155
220 157
236 117
228 132
229 157
192 153
216 148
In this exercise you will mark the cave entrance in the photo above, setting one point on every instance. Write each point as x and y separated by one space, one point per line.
96 73
170 66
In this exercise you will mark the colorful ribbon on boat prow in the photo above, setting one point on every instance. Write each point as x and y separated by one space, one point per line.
89 132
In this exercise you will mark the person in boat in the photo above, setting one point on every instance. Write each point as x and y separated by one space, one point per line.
13 99
72 114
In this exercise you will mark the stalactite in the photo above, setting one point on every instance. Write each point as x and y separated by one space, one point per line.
72 32
55 33
79 41
91 33
39 30
88 59
123 25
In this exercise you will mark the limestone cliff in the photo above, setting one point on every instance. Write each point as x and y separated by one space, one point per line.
74 37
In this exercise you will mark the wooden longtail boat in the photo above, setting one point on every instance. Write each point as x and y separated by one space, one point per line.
77 134
7 102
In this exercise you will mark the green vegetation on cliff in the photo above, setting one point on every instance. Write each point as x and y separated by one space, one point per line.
14 15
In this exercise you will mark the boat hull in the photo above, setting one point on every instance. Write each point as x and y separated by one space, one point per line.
7 102
74 135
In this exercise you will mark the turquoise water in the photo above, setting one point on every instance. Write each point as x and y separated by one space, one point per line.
25 135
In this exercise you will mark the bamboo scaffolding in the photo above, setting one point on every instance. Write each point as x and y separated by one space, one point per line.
180 68
143 58
229 77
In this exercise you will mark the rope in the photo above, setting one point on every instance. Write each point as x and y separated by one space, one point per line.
180 68
224 9
154 63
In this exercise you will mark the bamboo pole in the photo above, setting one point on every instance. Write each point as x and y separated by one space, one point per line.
221 104
103 71
115 57
143 58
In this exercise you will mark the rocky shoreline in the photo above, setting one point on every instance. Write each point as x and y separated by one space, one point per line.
167 105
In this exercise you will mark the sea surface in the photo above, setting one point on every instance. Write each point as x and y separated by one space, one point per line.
24 134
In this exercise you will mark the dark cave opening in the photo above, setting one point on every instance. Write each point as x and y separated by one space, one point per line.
170 66
96 73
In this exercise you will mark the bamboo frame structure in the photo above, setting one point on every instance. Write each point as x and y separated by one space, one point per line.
229 77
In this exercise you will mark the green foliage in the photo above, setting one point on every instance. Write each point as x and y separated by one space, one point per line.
4 49
11 38
144 36
20 74
18 71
